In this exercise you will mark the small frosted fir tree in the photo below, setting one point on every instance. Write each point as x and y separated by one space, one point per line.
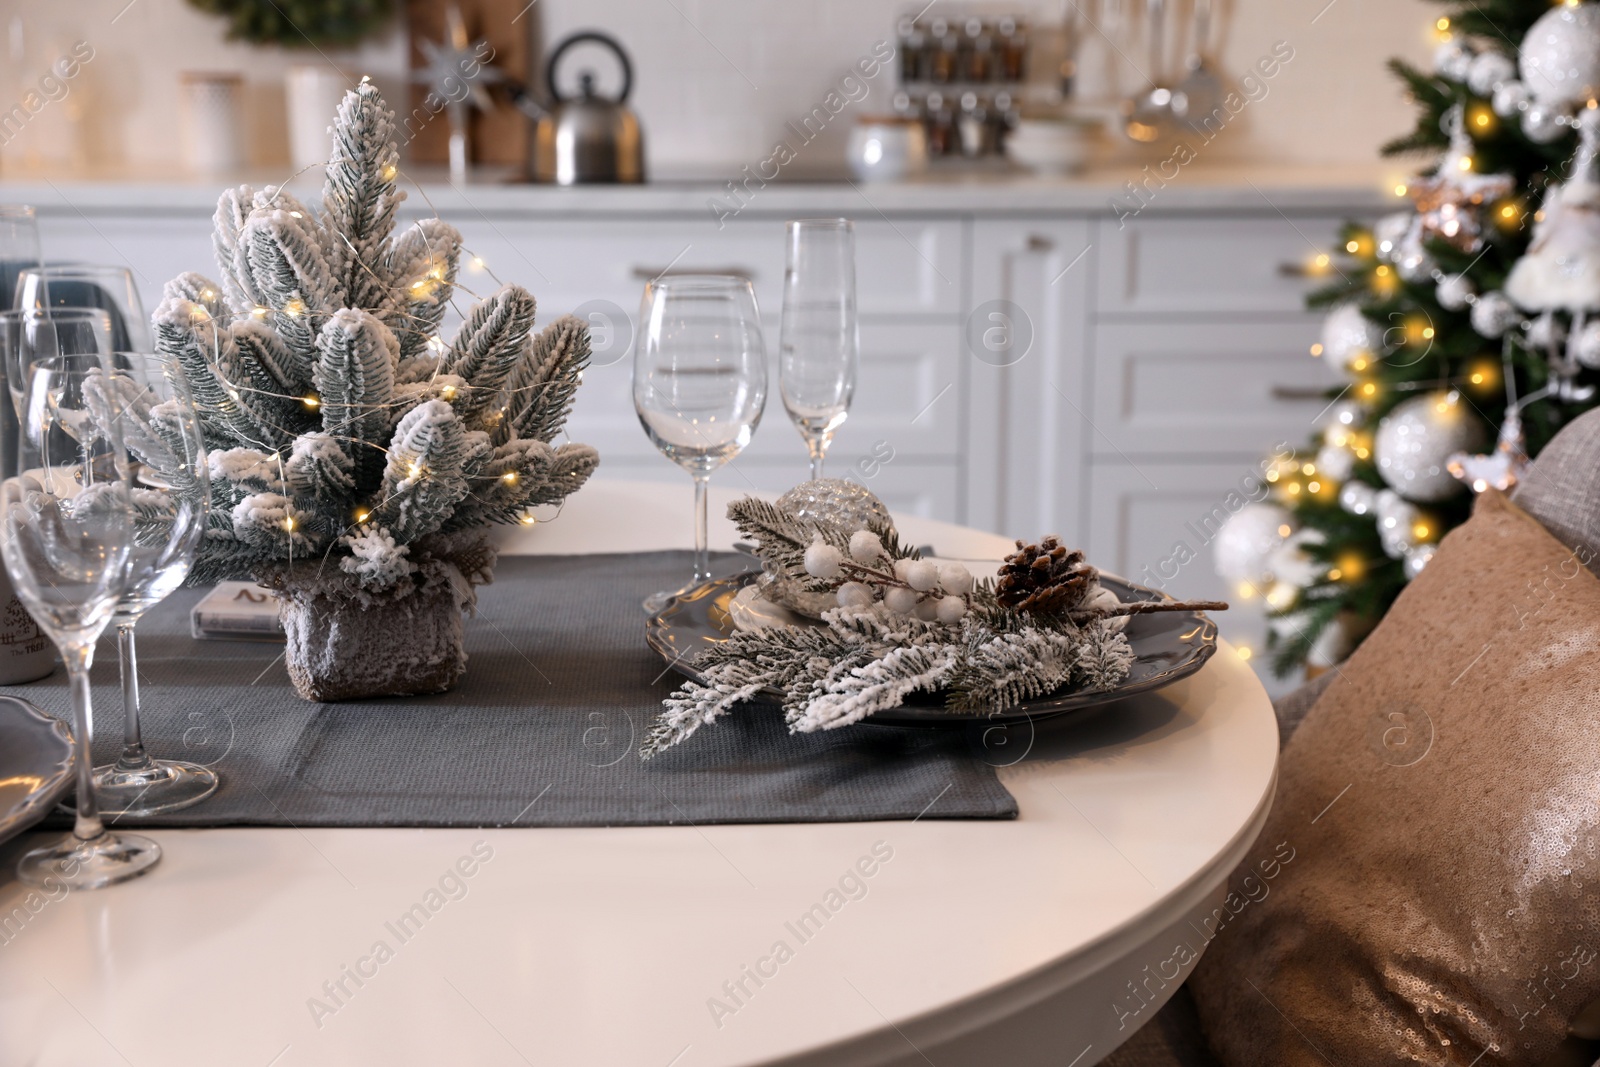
354 453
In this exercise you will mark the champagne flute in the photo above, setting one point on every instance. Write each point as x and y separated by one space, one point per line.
19 248
90 285
818 343
699 383
66 527
171 493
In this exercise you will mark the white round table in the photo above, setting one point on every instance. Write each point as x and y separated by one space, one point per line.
1047 940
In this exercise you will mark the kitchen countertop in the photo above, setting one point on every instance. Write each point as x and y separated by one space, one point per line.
1197 188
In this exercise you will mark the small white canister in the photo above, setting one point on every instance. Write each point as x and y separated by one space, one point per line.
215 105
314 92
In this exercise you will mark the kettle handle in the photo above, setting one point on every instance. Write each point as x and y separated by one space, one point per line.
578 38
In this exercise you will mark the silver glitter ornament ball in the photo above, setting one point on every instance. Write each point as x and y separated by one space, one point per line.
1417 558
1397 523
1587 346
835 502
1348 334
1454 292
1415 441
1247 540
1489 71
1542 123
1560 56
1493 314
1358 498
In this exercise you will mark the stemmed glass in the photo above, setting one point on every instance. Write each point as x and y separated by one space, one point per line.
66 527
171 495
699 383
89 285
28 335
19 248
819 344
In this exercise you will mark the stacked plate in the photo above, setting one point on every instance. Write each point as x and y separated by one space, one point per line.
1054 146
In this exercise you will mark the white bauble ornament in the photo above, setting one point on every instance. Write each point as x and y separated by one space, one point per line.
822 560
901 601
1453 60
1560 56
1346 413
922 576
1587 346
1509 99
1417 558
955 579
1358 498
1397 523
1390 231
1546 331
854 595
1542 123
1415 441
951 610
1493 314
1489 71
1247 539
1334 462
1347 334
1454 292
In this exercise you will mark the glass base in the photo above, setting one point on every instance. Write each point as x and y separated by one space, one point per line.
105 860
658 601
165 785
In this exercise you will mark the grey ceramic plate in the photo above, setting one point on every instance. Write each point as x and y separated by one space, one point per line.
35 765
1167 646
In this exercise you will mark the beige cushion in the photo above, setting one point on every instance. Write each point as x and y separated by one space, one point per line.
1441 803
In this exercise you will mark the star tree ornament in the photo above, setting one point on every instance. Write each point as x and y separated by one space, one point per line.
457 74
1449 204
1500 469
1416 440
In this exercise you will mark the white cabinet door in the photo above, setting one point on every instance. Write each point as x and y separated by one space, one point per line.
1169 388
1215 266
155 249
1156 523
1025 343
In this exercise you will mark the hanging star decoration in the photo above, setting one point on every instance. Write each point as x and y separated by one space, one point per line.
1449 203
457 69
1502 468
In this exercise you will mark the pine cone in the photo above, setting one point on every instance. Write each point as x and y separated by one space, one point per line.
1045 578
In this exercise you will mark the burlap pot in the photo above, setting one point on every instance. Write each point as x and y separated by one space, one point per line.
350 643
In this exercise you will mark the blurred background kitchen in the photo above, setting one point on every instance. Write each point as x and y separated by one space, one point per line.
1085 231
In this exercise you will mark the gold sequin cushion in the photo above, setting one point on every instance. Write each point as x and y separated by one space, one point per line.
1442 801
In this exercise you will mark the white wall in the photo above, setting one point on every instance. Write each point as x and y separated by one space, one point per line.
716 79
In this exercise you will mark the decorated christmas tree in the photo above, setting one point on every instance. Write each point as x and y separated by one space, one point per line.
355 455
1459 323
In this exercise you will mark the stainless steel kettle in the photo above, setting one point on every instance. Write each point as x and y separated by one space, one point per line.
585 138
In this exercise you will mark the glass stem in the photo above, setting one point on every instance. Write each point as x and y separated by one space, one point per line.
702 551
134 757
88 825
818 448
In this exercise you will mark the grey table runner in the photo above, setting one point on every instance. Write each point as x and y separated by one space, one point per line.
542 731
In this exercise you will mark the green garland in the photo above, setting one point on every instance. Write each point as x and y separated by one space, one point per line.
1362 594
300 23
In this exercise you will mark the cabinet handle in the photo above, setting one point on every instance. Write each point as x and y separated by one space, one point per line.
1298 392
650 274
1039 243
1300 270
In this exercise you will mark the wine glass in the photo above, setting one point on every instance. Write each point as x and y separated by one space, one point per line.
29 334
171 495
66 527
90 285
19 248
699 383
818 343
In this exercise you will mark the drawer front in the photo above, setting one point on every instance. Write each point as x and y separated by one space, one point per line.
1155 523
907 487
1211 388
907 403
1213 265
909 267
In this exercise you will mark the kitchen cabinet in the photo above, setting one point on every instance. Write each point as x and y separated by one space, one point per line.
1031 363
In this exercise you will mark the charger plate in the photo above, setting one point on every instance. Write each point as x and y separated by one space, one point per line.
1167 647
35 764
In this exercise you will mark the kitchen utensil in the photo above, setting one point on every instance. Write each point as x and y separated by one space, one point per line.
586 137
1199 94
885 148
1151 112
